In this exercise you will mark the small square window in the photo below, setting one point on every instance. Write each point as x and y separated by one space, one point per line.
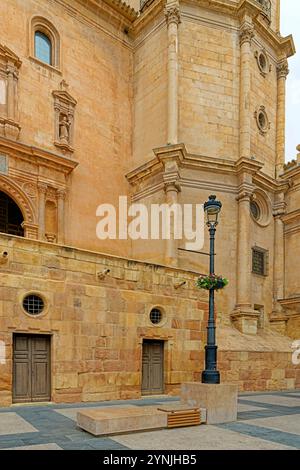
259 261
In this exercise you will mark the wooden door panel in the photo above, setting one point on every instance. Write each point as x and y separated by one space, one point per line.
40 376
31 370
22 385
145 367
22 369
152 372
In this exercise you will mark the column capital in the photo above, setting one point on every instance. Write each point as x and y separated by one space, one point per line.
245 192
42 187
279 209
172 186
283 69
61 194
246 33
172 14
171 181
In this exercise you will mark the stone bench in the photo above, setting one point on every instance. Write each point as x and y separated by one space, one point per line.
106 421
110 420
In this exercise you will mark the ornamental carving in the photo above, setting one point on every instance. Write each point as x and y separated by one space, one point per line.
21 199
283 69
30 190
246 33
64 109
172 15
9 74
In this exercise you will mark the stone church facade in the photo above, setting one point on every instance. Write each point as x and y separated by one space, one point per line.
162 102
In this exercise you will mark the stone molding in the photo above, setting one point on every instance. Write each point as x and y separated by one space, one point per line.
39 156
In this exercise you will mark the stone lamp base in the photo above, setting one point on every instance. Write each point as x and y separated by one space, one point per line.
220 400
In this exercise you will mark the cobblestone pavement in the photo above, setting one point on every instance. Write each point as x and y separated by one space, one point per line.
265 421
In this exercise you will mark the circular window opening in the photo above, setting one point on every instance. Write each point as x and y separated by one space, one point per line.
255 210
262 62
33 304
156 316
262 120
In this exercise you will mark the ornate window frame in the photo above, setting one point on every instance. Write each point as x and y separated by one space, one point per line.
263 202
263 62
39 23
262 120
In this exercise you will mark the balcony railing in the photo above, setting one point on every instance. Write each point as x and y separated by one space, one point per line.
266 6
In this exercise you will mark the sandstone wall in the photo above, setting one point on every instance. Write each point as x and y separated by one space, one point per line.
209 67
97 326
96 63
150 90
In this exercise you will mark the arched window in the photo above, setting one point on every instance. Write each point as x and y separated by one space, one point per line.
44 42
11 217
43 47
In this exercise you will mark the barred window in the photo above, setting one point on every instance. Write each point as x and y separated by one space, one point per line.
33 304
259 261
155 316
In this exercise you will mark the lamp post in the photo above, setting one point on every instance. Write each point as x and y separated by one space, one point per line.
211 375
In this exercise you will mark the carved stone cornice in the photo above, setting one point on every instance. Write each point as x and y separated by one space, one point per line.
247 165
246 33
292 217
172 14
37 156
10 58
283 69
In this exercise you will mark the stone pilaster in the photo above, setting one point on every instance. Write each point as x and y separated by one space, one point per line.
246 35
172 189
244 317
42 187
278 319
172 14
61 196
282 72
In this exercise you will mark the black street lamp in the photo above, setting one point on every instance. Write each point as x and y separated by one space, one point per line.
211 375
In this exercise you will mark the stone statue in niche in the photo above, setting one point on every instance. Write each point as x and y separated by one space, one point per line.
64 110
64 130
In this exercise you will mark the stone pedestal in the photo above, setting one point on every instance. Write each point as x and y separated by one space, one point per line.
220 400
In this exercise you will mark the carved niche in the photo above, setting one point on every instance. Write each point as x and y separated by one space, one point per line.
64 110
9 73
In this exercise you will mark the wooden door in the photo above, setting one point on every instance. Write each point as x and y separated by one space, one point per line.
152 367
31 370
